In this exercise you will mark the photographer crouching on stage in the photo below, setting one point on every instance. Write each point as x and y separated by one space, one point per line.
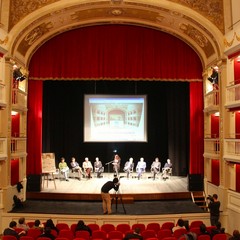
106 198
214 206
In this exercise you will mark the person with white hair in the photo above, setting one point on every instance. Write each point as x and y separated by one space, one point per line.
87 167
128 167
141 167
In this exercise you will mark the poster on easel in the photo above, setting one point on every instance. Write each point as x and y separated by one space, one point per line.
48 163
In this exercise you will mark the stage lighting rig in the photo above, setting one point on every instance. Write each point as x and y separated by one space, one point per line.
17 74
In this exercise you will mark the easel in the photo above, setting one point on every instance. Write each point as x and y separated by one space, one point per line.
46 178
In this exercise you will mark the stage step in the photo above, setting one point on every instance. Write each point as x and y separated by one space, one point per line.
199 198
124 200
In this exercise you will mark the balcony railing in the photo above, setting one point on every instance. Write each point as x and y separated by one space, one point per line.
3 148
19 99
18 146
211 102
233 96
2 95
211 146
232 149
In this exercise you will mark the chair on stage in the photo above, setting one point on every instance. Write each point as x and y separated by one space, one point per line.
148 234
163 233
141 226
153 226
166 173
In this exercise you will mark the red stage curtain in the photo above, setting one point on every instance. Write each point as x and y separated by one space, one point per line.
215 172
196 128
34 130
14 171
115 52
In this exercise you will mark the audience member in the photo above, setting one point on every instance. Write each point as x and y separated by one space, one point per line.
22 224
214 207
180 224
135 235
203 230
47 233
218 229
81 226
11 230
51 225
38 225
235 236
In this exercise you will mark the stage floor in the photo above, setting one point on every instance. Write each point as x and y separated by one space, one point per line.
145 185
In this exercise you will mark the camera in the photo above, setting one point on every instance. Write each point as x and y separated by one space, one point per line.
210 198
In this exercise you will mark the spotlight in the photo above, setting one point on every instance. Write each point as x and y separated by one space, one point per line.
17 74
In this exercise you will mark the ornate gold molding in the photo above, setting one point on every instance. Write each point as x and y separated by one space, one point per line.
230 43
4 41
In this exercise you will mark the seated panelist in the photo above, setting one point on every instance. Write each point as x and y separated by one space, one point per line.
116 164
167 169
128 167
155 167
76 168
141 167
98 167
87 167
63 168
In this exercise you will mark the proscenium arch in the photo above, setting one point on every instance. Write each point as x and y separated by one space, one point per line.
178 20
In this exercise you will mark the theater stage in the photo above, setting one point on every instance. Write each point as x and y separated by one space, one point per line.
138 197
131 189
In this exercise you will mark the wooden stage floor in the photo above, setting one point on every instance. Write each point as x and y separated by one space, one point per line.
89 189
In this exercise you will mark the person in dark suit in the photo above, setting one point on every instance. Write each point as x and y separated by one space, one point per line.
12 232
47 233
81 226
135 235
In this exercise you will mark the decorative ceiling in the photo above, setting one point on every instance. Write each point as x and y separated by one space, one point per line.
197 22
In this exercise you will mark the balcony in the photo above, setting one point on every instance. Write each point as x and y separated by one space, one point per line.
211 102
232 149
3 103
211 148
18 147
233 96
19 100
3 148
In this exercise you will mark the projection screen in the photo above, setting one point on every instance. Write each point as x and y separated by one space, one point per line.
115 118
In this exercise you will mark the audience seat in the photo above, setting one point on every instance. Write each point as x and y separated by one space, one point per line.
8 237
108 227
139 225
73 227
179 232
170 238
99 234
18 230
148 234
61 226
66 233
34 232
220 236
93 226
30 224
167 225
115 235
195 230
26 238
204 237
44 238
153 226
196 223
82 234
162 233
123 227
